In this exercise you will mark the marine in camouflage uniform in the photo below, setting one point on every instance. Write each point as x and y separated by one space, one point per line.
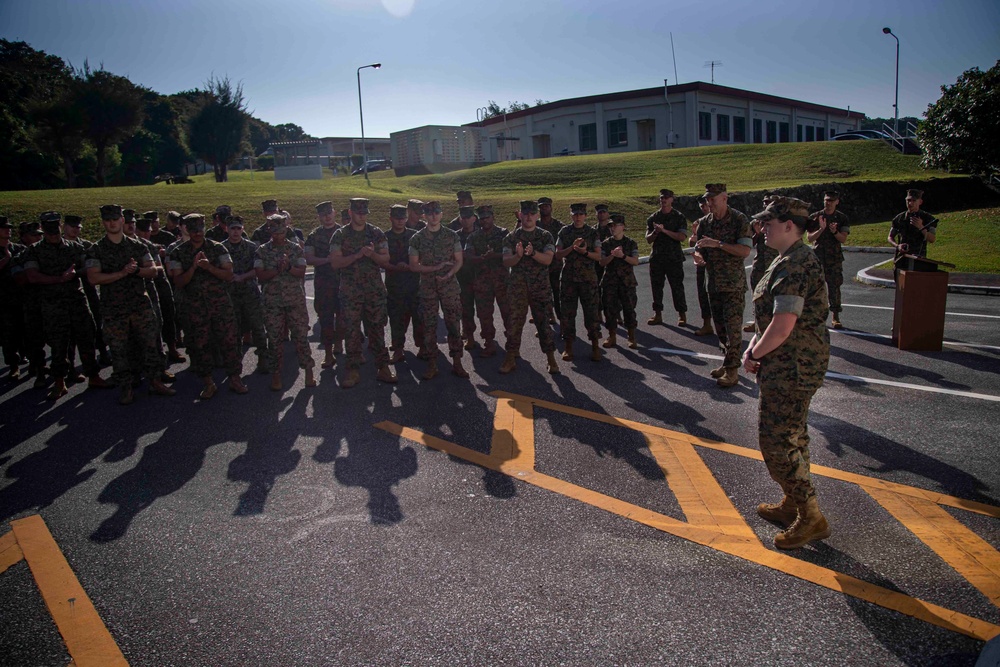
485 250
326 283
11 315
789 370
724 244
158 287
164 290
763 255
603 232
414 213
359 250
527 252
468 224
665 231
552 226
436 254
828 239
262 234
463 198
33 340
912 229
701 276
120 265
402 286
203 268
219 232
619 256
245 292
578 248
72 226
280 267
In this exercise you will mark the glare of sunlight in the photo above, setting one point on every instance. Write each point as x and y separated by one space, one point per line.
398 8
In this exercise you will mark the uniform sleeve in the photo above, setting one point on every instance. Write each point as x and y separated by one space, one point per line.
29 259
844 224
548 243
413 249
310 244
509 243
336 241
380 243
258 258
930 222
789 290
93 260
745 234
650 223
633 249
174 261
300 258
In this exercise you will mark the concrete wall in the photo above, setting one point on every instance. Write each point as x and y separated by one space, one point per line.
302 172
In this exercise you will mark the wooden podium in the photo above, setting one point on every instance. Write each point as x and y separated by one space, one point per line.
921 293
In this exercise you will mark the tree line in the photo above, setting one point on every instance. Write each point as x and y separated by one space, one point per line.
85 127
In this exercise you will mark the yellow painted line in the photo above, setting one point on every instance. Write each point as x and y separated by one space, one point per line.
699 494
514 433
10 553
970 556
822 471
87 639
756 553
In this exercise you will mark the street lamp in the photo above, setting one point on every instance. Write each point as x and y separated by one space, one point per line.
895 123
361 110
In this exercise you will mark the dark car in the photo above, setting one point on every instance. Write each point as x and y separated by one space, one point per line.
373 165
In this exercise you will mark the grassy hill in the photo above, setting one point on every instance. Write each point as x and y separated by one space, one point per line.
629 182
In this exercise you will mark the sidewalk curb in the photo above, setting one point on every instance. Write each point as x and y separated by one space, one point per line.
864 277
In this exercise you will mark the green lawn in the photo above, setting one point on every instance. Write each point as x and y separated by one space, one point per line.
628 182
968 239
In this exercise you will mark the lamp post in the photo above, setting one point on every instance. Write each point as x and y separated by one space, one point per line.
895 122
361 110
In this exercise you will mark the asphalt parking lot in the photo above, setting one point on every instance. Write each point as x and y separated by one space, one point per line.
601 516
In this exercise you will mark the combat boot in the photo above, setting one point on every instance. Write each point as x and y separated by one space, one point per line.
310 378
470 343
509 363
718 372
657 317
836 321
706 329
386 374
730 378
328 359
157 388
397 356
15 372
595 350
432 369
74 377
611 340
175 357
631 340
551 365
209 391
567 355
784 512
58 389
424 354
457 369
353 377
489 349
810 525
682 319
97 382
276 381
749 326
127 396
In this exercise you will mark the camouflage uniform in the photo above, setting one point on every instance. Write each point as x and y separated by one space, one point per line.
326 287
161 296
11 313
666 259
619 283
32 340
94 303
466 281
830 253
906 233
763 256
246 298
490 283
362 294
217 233
579 283
284 302
727 280
403 292
790 375
555 268
209 310
701 281
126 310
529 288
431 249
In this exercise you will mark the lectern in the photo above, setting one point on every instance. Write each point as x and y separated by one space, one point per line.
921 292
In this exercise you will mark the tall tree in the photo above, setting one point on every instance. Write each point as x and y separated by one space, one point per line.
962 129
59 128
112 107
217 129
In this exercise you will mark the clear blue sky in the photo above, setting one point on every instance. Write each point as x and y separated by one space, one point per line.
442 59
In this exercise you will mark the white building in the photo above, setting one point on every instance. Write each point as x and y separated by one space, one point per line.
419 149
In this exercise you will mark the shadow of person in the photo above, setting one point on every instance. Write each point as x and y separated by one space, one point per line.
894 370
377 465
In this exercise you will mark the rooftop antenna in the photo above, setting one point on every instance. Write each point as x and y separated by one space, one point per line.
713 64
674 56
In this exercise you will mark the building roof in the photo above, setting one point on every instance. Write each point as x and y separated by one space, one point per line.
699 86
367 139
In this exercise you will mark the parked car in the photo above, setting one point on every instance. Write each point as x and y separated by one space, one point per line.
373 165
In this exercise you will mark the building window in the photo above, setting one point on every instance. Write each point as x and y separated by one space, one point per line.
833 132
810 133
758 131
704 126
617 133
739 129
783 133
820 134
772 131
798 132
588 137
722 127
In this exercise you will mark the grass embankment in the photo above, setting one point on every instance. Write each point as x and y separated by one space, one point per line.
629 182
968 239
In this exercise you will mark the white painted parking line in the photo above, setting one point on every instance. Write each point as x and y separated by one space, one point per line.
851 378
951 343
858 305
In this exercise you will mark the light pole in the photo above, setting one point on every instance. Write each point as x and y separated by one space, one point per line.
895 122
361 110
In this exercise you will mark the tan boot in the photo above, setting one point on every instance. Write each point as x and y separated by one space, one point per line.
236 385
58 389
509 363
611 340
810 525
397 356
310 378
836 321
329 360
567 355
489 350
276 381
157 388
631 340
682 319
706 329
730 379
749 326
209 391
432 370
595 351
353 377
784 512
718 372
551 365
657 317
97 382
386 374
457 369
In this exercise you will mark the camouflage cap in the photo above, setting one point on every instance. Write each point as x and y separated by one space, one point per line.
173 216
485 211
129 215
599 208
463 195
431 207
223 212
712 189
194 222
914 193
831 194
665 193
545 200
324 208
359 205
143 224
50 217
578 208
5 223
785 209
151 215
768 198
234 221
467 212
73 220
529 206
397 212
29 228
617 219
278 223
269 205
415 205
111 212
